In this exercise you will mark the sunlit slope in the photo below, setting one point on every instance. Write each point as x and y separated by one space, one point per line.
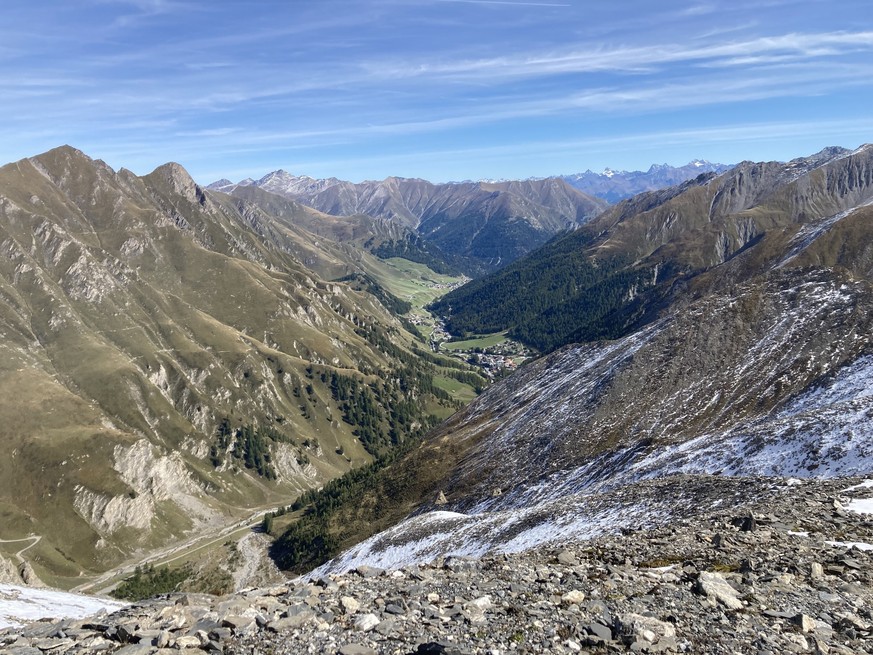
136 315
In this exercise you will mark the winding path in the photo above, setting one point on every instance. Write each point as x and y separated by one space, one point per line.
34 539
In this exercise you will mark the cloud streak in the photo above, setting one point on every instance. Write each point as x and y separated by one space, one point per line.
509 2
638 58
263 85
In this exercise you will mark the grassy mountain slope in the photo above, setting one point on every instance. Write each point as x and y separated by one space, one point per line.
139 315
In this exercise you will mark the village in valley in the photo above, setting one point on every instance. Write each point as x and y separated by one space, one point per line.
495 354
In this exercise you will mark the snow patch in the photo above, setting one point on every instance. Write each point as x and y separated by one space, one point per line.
22 605
851 544
861 505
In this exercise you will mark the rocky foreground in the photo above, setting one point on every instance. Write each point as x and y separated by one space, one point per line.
789 574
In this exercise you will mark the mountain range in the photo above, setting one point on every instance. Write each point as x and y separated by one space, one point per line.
194 356
477 226
738 309
614 186
480 226
616 272
174 360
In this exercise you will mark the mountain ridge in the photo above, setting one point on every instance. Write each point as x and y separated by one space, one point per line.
754 364
172 355
488 224
617 185
741 362
637 252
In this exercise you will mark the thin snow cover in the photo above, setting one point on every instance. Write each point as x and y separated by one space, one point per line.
532 492
825 432
425 537
580 516
860 505
811 231
860 545
22 605
866 484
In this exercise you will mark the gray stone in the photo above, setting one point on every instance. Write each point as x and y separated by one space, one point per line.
188 641
366 622
369 571
599 630
804 622
385 627
349 604
567 557
53 645
291 622
713 585
635 628
134 649
356 649
239 624
574 597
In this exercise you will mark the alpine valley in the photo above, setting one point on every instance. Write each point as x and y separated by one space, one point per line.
687 468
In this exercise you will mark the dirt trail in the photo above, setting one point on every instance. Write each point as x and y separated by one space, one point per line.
34 539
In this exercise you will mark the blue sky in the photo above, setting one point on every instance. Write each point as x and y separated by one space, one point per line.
439 89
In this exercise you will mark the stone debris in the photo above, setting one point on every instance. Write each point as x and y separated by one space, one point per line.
763 581
713 585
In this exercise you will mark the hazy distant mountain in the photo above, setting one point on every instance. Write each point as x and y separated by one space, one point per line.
488 224
614 186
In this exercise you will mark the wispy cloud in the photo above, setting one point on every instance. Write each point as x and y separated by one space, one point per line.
634 58
357 81
509 2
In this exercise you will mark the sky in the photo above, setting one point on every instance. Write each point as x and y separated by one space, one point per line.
438 89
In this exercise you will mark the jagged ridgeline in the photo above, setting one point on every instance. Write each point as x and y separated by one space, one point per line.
620 271
173 356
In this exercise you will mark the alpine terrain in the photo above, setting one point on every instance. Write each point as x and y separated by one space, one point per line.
688 469
744 349
177 361
614 186
479 226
